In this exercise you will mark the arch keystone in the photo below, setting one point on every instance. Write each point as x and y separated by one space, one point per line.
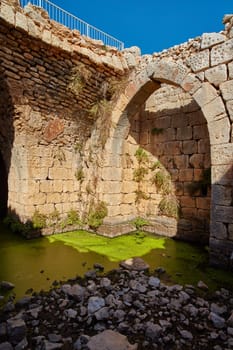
168 71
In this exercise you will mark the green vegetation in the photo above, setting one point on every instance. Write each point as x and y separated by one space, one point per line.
80 174
17 226
96 215
53 218
156 165
116 249
169 206
79 77
39 220
140 195
139 173
140 222
162 181
100 108
141 155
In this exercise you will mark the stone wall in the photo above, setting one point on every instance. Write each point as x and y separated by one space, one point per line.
74 118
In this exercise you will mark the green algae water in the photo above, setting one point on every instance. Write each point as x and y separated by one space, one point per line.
36 264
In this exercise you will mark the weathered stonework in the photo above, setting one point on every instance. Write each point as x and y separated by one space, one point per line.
60 154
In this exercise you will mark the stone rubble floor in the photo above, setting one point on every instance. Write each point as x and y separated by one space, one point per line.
126 309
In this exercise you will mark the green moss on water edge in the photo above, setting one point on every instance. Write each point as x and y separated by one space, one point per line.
115 249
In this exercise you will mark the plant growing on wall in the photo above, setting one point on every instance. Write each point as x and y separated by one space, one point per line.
96 215
79 77
162 180
140 172
140 222
39 220
169 206
79 174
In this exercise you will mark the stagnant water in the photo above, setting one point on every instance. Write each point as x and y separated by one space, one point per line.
36 264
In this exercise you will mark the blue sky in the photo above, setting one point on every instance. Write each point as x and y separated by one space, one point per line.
152 25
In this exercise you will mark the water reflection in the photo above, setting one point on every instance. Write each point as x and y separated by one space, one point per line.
37 263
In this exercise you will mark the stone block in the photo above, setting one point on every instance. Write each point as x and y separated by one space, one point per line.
181 161
129 198
229 106
172 147
226 89
191 84
205 94
222 174
7 13
203 146
197 161
179 120
199 61
218 230
211 39
230 70
189 213
219 131
187 201
113 198
230 232
184 133
221 53
186 175
216 75
37 198
53 198
196 118
68 186
223 214
169 71
197 174
112 174
128 187
21 22
200 132
222 154
203 203
115 210
221 195
189 147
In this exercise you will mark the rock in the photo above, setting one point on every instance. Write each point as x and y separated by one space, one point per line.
22 344
76 291
16 330
98 267
217 309
218 321
3 330
202 285
153 331
5 285
70 313
102 314
105 282
109 339
23 301
230 320
6 346
186 334
54 338
51 346
136 264
154 282
94 304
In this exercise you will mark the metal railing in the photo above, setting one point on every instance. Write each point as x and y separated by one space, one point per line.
67 19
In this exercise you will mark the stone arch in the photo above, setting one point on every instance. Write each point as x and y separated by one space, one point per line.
137 92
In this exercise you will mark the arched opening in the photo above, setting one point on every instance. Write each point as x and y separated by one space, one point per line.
173 185
168 125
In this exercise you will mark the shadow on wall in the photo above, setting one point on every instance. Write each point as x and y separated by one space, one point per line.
6 141
221 240
177 140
